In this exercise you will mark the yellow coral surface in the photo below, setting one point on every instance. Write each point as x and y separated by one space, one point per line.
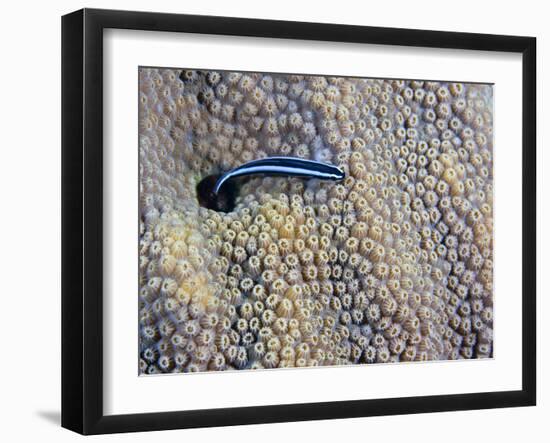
392 264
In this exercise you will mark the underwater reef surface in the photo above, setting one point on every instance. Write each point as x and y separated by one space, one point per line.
394 263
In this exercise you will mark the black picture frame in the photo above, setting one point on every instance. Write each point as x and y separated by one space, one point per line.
82 217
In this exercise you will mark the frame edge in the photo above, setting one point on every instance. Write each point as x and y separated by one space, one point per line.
529 220
72 82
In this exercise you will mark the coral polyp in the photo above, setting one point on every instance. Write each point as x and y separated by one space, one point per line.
394 263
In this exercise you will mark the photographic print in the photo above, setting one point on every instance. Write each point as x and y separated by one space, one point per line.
296 220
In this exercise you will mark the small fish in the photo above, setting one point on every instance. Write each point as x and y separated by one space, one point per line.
215 193
286 166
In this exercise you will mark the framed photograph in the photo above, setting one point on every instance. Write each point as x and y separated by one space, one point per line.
269 221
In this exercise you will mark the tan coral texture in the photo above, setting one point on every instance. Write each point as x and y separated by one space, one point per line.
392 264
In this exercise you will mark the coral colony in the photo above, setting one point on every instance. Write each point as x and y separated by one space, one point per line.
393 263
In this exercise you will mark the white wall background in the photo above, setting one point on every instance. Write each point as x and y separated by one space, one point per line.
30 218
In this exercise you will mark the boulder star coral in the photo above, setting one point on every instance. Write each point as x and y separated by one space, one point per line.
392 264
